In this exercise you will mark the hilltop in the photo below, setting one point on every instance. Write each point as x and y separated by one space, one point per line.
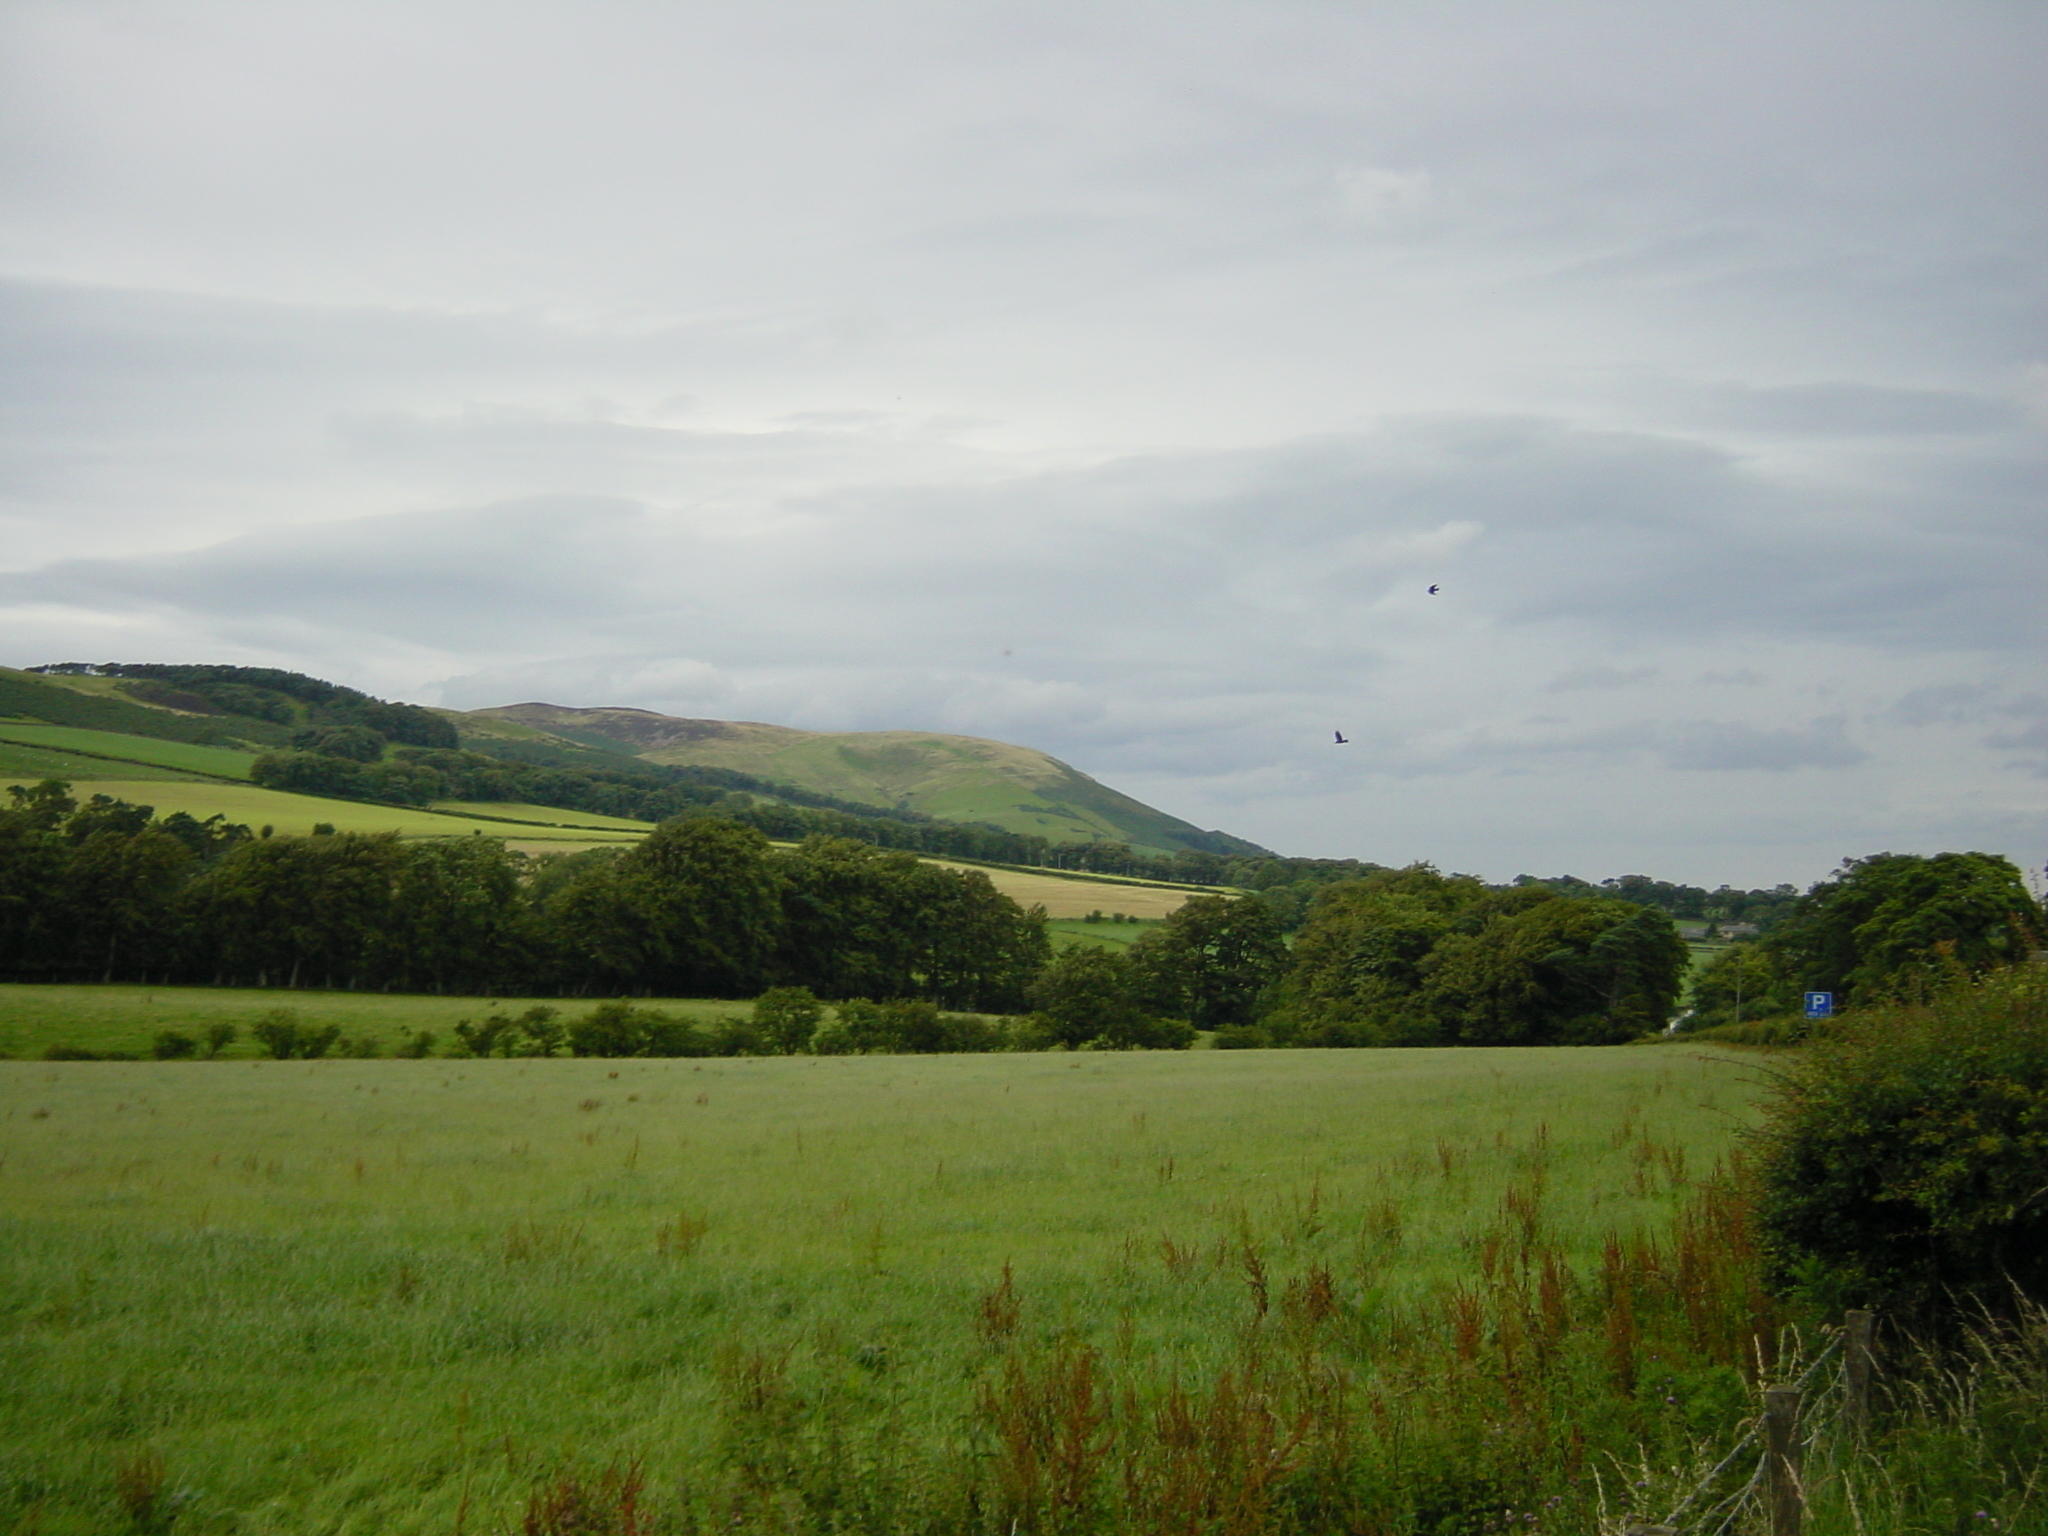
953 778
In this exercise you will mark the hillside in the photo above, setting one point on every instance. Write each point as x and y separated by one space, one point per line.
220 718
955 778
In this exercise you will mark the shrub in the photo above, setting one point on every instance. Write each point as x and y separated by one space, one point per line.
170 1045
787 1017
1902 1160
218 1038
533 1033
617 1028
281 1034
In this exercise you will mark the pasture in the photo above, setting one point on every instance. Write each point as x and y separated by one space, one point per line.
144 751
1075 896
296 815
399 1296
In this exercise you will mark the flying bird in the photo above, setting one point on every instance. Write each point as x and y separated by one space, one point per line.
1432 589
1342 740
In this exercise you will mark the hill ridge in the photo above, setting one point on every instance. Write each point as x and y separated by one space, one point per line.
951 776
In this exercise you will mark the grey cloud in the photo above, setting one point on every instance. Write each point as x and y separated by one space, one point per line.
1580 678
470 578
2030 737
1852 409
1942 704
1726 745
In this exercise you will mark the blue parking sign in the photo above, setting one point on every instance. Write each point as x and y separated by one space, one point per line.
1820 1005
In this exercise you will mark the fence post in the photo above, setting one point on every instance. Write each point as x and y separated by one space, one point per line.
1856 1375
1782 1460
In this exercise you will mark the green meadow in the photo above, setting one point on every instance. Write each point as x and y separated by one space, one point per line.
414 1296
145 751
296 815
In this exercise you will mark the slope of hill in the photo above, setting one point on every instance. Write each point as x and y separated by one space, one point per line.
954 778
241 711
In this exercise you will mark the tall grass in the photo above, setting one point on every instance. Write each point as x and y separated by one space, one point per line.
1371 1291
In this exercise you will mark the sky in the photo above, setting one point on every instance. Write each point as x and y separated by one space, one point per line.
1115 378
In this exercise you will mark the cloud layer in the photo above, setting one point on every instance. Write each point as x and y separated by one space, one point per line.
1114 381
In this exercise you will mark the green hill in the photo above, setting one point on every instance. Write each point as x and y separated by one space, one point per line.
954 778
52 722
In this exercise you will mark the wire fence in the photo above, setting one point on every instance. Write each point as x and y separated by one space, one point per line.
1829 1409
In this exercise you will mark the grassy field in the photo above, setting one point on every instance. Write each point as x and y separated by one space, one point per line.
1069 931
397 1296
143 751
296 815
126 1018
1067 896
30 765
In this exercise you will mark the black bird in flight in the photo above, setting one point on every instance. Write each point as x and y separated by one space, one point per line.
1342 740
1432 589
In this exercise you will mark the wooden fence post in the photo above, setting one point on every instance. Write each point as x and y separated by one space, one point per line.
1782 1459
1856 1375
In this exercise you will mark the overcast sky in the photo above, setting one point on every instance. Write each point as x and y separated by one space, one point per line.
1114 378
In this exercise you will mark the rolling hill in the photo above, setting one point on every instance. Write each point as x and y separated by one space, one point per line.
953 778
221 716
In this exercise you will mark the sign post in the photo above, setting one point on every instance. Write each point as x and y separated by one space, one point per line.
1820 1005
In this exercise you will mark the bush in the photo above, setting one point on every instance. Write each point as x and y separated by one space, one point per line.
617 1028
218 1038
281 1034
1902 1160
532 1033
169 1045
787 1017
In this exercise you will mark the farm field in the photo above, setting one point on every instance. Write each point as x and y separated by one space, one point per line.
296 815
1075 896
21 764
1068 931
400 1295
148 751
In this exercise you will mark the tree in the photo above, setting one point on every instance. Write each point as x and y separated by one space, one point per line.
1895 921
694 910
713 899
1743 981
1091 996
787 1017
117 894
1555 970
1356 972
357 743
455 917
285 908
1212 960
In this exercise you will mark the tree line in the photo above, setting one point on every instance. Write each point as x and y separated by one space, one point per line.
702 907
706 906
1884 928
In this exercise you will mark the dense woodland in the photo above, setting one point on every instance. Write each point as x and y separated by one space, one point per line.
707 907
